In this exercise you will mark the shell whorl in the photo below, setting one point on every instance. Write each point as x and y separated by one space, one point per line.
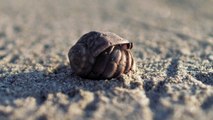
80 59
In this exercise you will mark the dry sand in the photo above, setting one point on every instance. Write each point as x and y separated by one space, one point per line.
173 47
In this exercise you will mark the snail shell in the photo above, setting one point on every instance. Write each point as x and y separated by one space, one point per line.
101 55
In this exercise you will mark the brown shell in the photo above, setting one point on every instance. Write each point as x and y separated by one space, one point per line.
101 55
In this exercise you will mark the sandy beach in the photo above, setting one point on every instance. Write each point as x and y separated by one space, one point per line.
173 50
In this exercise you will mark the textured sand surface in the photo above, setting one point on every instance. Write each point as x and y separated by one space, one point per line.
173 47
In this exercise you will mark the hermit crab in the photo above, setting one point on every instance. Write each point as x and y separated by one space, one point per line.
101 55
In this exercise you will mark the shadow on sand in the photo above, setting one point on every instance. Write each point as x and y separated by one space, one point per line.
39 84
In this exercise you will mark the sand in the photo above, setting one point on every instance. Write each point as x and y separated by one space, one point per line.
173 48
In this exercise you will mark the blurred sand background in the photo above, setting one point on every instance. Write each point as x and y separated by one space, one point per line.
173 47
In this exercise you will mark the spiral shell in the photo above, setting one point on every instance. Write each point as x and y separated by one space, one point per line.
101 55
